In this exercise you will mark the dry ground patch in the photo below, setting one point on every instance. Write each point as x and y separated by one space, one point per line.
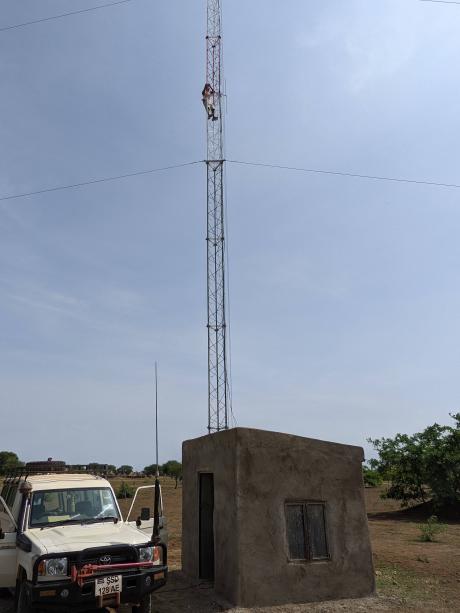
411 575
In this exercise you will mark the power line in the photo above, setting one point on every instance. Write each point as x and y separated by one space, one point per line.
347 174
241 163
94 181
440 1
93 8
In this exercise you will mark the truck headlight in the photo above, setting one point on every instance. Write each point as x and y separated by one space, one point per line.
158 555
151 554
54 567
145 554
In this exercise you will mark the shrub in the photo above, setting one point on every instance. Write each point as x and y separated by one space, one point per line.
430 529
125 491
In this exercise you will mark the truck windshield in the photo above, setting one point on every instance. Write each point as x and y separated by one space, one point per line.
71 505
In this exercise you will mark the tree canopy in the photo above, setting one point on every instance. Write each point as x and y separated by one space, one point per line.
151 469
423 466
97 466
173 469
8 461
125 469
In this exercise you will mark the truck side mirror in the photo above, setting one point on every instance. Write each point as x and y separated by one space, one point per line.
145 514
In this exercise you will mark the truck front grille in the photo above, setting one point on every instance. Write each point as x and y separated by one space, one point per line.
101 556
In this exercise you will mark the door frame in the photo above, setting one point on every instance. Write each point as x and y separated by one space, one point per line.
200 475
8 552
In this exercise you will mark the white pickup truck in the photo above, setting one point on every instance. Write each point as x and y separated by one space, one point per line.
65 547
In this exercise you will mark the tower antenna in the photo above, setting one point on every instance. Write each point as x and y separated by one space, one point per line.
157 472
218 391
156 504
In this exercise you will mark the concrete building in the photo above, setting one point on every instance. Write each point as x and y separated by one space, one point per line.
275 518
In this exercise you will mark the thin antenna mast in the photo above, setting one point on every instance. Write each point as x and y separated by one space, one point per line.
157 473
218 392
156 504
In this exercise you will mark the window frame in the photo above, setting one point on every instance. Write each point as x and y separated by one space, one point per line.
309 558
61 491
8 514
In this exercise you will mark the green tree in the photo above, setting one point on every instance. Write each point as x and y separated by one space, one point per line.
423 466
172 469
101 468
125 469
372 478
151 470
9 461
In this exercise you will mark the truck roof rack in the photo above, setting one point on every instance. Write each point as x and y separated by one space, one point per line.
53 466
14 477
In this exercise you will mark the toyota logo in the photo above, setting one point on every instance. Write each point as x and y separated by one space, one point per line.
105 559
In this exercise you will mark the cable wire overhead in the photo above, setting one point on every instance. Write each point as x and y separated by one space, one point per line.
353 175
338 173
95 181
441 1
87 10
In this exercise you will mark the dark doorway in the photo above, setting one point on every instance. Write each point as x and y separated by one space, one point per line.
207 526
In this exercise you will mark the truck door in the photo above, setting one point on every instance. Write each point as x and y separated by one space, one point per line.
147 524
8 553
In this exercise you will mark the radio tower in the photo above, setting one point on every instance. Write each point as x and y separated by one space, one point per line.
218 392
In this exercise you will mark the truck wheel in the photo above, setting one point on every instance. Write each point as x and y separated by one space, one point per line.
23 605
145 606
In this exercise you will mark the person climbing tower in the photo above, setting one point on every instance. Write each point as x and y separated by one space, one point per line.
208 101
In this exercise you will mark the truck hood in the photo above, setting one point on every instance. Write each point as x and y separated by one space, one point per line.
77 537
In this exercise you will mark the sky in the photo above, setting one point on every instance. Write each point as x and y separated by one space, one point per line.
344 292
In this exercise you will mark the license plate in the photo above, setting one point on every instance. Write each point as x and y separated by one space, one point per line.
108 585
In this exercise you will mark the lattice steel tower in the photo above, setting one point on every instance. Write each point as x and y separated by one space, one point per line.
218 390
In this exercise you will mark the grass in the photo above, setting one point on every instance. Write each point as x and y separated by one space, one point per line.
407 585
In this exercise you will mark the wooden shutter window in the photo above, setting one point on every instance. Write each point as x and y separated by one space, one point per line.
296 532
316 520
306 531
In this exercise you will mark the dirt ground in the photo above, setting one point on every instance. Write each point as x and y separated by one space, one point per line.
411 575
